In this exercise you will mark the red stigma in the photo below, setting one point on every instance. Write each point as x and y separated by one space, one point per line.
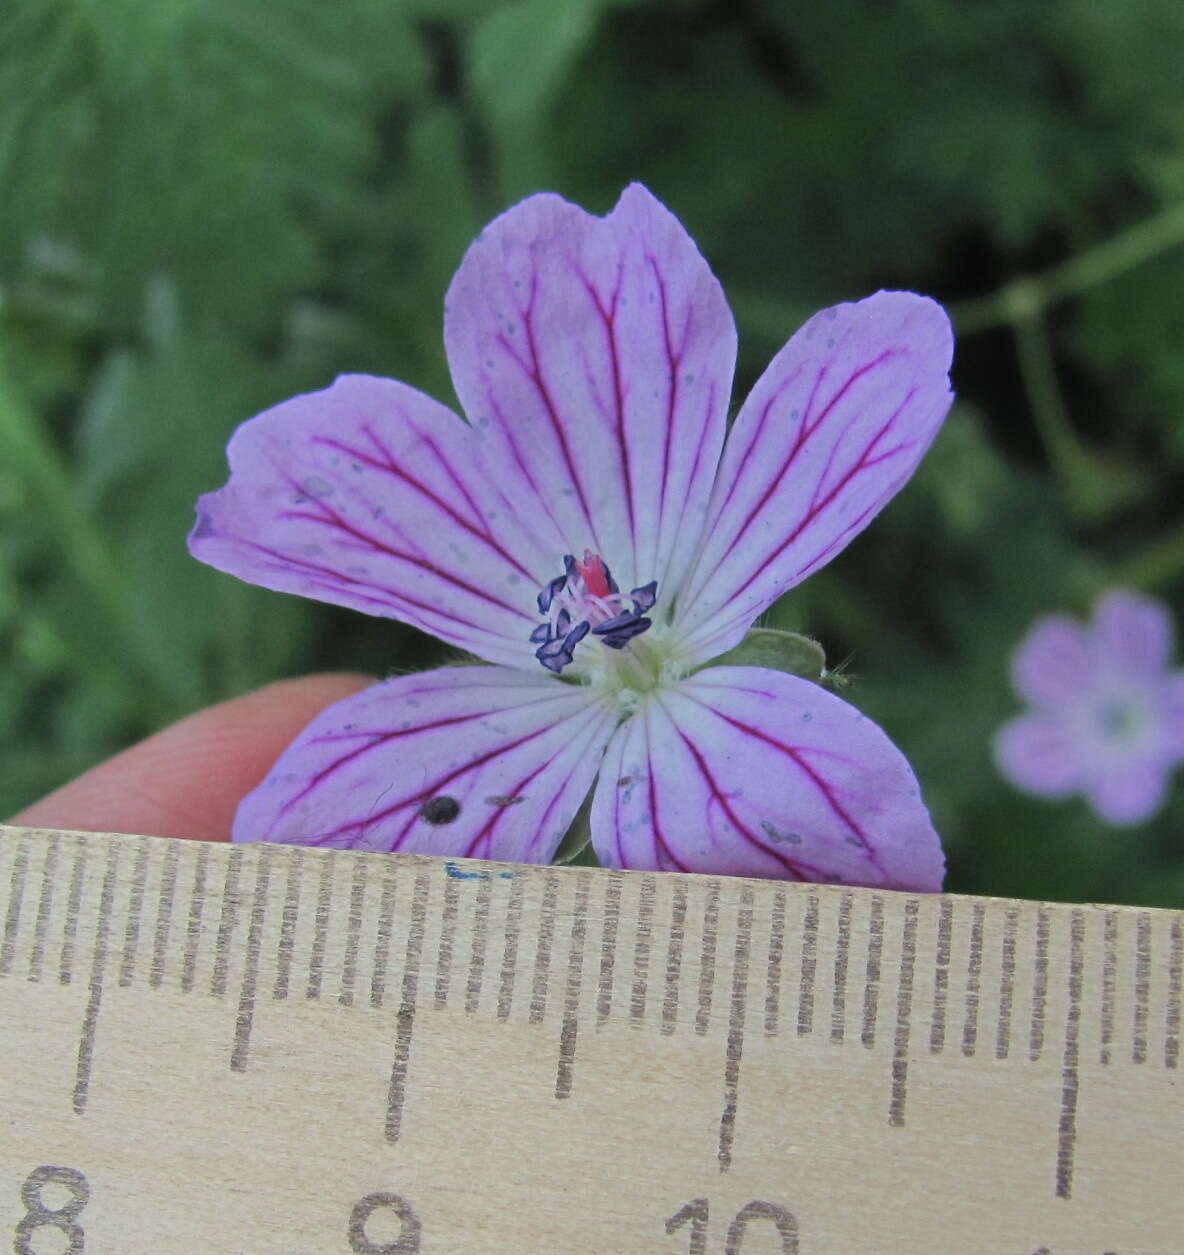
593 574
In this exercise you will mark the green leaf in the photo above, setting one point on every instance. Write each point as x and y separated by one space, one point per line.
519 56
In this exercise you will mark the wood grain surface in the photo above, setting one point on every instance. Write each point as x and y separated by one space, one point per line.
267 1049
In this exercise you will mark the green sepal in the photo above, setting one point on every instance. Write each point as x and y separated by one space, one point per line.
586 857
779 651
576 847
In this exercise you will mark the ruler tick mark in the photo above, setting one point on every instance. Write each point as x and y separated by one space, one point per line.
164 915
608 946
838 1012
286 944
974 970
707 958
941 977
405 1020
736 1017
1142 987
773 971
244 1020
20 867
135 907
1006 983
193 927
641 950
678 918
227 922
1171 1039
904 1013
382 937
871 987
1067 1126
505 993
353 932
542 953
1039 985
479 942
73 906
316 957
571 993
1109 984
44 904
90 1017
447 939
808 968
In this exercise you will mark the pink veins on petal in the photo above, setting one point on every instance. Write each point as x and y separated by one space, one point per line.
593 512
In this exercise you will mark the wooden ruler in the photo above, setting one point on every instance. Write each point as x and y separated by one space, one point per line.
256 1049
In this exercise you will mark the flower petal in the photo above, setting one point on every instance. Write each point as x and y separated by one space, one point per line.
1171 705
595 357
832 430
369 495
1053 664
476 762
1040 754
752 772
1129 793
1132 634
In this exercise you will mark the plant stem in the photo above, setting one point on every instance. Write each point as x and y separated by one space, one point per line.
1038 371
1157 565
1112 257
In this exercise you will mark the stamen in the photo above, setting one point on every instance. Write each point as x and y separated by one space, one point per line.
549 591
645 596
587 596
557 654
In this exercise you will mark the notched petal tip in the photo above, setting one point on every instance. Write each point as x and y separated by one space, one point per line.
203 526
600 350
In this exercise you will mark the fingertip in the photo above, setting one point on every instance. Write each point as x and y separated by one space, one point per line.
187 780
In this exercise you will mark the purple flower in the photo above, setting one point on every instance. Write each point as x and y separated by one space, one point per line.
1106 717
592 535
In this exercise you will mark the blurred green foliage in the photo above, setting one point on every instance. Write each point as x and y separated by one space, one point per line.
207 206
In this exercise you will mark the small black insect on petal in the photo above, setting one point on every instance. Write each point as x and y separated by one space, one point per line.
440 810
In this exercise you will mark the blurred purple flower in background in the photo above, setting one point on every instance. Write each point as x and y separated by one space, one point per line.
594 359
1106 715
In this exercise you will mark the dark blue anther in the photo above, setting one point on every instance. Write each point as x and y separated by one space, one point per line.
614 624
620 638
645 596
552 656
547 595
557 653
577 634
541 634
562 623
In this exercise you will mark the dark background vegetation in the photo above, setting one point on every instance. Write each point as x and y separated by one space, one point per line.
206 206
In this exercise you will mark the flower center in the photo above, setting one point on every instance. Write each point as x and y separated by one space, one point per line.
585 600
1122 722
